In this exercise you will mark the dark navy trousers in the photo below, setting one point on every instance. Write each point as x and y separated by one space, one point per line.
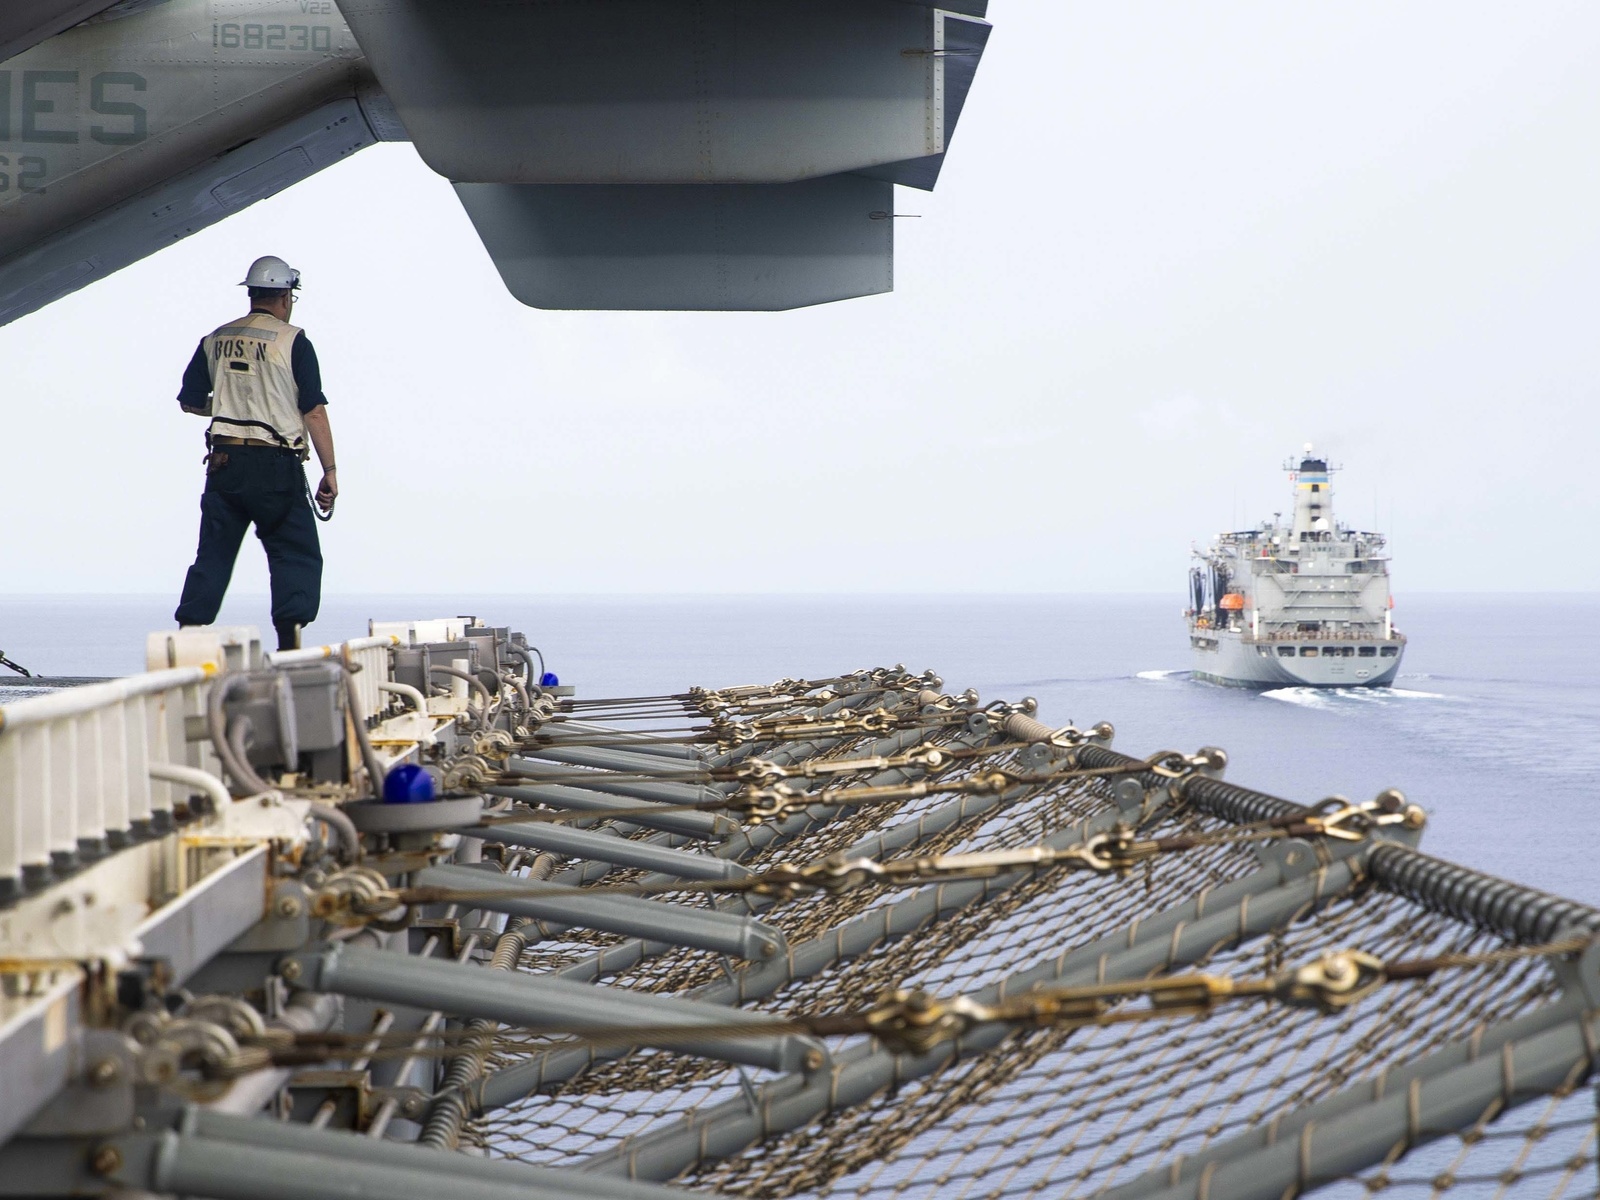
264 487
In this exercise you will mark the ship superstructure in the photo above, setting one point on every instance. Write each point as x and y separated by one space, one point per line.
1302 603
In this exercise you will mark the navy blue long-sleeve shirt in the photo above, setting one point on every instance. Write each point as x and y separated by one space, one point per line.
196 390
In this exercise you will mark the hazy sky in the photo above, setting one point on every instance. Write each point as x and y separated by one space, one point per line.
1172 243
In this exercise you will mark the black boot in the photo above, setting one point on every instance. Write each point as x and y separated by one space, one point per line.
288 636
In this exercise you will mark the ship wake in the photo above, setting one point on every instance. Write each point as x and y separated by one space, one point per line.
1316 697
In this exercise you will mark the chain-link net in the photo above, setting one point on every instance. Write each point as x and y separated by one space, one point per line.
1059 1111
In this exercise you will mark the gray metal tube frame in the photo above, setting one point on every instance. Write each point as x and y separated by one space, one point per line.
605 781
541 1002
700 825
511 1084
665 1151
887 923
288 1135
744 841
1514 910
609 848
751 839
747 840
871 696
741 841
1426 1108
634 916
607 758
1228 801
266 1160
555 733
1490 1043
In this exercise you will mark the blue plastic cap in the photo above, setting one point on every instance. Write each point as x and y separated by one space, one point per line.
407 784
549 679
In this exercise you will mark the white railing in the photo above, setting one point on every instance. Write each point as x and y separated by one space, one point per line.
75 768
87 770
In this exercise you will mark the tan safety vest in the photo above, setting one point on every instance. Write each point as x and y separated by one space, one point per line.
253 393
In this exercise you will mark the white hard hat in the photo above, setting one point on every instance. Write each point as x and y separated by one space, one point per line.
270 271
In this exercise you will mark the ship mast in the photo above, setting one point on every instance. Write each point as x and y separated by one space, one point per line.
1313 497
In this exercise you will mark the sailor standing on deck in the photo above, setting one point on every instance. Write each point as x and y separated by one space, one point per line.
257 379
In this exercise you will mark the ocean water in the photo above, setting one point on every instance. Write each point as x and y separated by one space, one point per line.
1494 725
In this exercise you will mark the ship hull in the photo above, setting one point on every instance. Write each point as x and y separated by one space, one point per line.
1227 658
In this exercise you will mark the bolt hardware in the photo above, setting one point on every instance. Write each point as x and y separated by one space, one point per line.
105 1160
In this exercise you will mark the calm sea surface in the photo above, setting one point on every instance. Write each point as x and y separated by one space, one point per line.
1494 726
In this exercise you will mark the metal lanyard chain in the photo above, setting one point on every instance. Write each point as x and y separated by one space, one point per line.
311 500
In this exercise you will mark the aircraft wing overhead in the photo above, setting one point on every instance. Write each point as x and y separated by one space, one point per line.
118 137
719 246
652 91
26 23
961 48
717 154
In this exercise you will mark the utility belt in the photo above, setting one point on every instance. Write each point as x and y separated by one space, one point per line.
214 458
222 448
248 447
262 442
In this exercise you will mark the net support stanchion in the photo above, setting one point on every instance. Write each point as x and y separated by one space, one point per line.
540 1002
635 916
237 1158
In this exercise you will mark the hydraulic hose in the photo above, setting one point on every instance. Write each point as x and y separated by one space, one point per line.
418 700
230 741
521 691
526 655
472 681
239 772
236 759
369 756
342 825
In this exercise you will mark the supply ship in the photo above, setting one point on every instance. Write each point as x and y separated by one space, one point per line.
1304 604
